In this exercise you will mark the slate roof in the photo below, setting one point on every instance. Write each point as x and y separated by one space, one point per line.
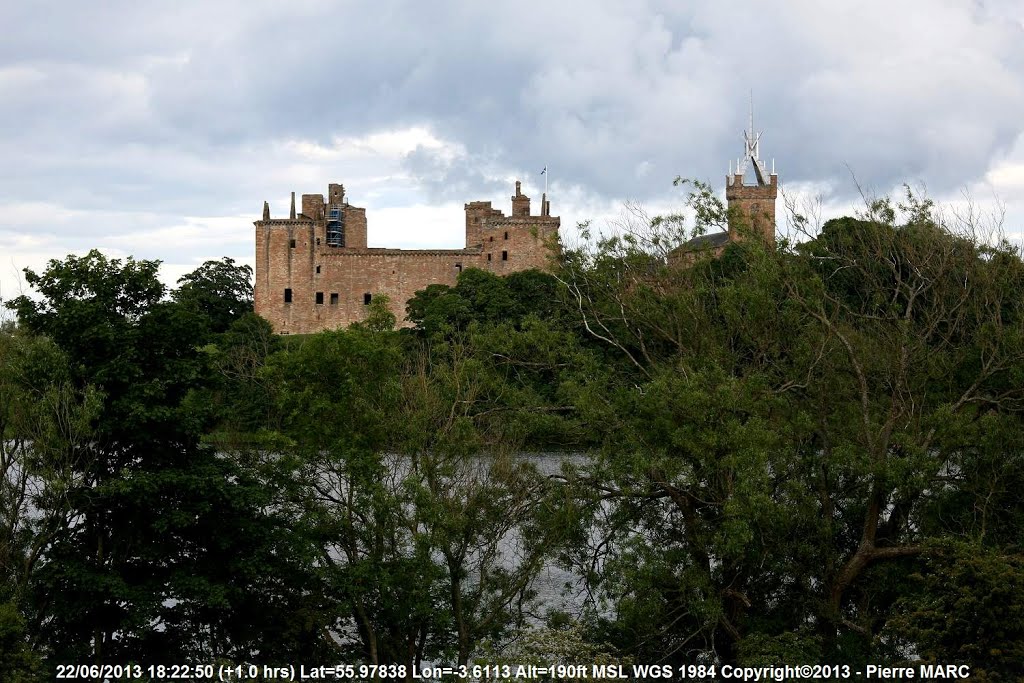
712 241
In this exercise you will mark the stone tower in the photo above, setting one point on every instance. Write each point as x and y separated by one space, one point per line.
751 207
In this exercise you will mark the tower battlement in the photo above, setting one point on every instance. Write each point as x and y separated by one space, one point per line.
751 207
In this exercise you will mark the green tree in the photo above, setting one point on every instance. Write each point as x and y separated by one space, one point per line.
240 392
153 565
18 664
968 607
430 533
922 335
379 317
220 290
785 427
44 424
485 512
338 394
485 298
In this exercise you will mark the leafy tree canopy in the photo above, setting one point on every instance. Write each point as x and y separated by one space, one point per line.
220 290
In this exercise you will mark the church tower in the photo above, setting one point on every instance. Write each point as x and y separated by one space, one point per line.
751 207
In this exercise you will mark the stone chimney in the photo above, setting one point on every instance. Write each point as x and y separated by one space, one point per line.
520 202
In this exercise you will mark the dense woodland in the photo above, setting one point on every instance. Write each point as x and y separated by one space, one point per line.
802 454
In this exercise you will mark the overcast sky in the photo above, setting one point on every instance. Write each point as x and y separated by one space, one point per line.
157 129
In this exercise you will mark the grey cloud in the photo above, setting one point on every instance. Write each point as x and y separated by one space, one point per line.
173 106
460 178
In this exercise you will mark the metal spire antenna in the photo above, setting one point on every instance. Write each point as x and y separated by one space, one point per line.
751 142
752 121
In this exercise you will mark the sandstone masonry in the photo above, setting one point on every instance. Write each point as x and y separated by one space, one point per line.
314 271
752 207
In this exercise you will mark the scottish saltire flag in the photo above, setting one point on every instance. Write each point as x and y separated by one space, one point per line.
544 171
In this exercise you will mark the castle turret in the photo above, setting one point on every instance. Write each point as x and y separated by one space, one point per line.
752 207
335 193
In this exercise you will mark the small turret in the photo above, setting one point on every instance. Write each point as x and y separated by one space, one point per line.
291 214
520 202
335 194
266 211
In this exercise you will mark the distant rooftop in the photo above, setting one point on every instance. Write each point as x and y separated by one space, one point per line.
712 241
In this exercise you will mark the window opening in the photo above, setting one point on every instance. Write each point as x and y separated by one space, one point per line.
506 234
288 296
488 257
334 298
366 299
504 256
458 267
320 298
318 269
291 244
